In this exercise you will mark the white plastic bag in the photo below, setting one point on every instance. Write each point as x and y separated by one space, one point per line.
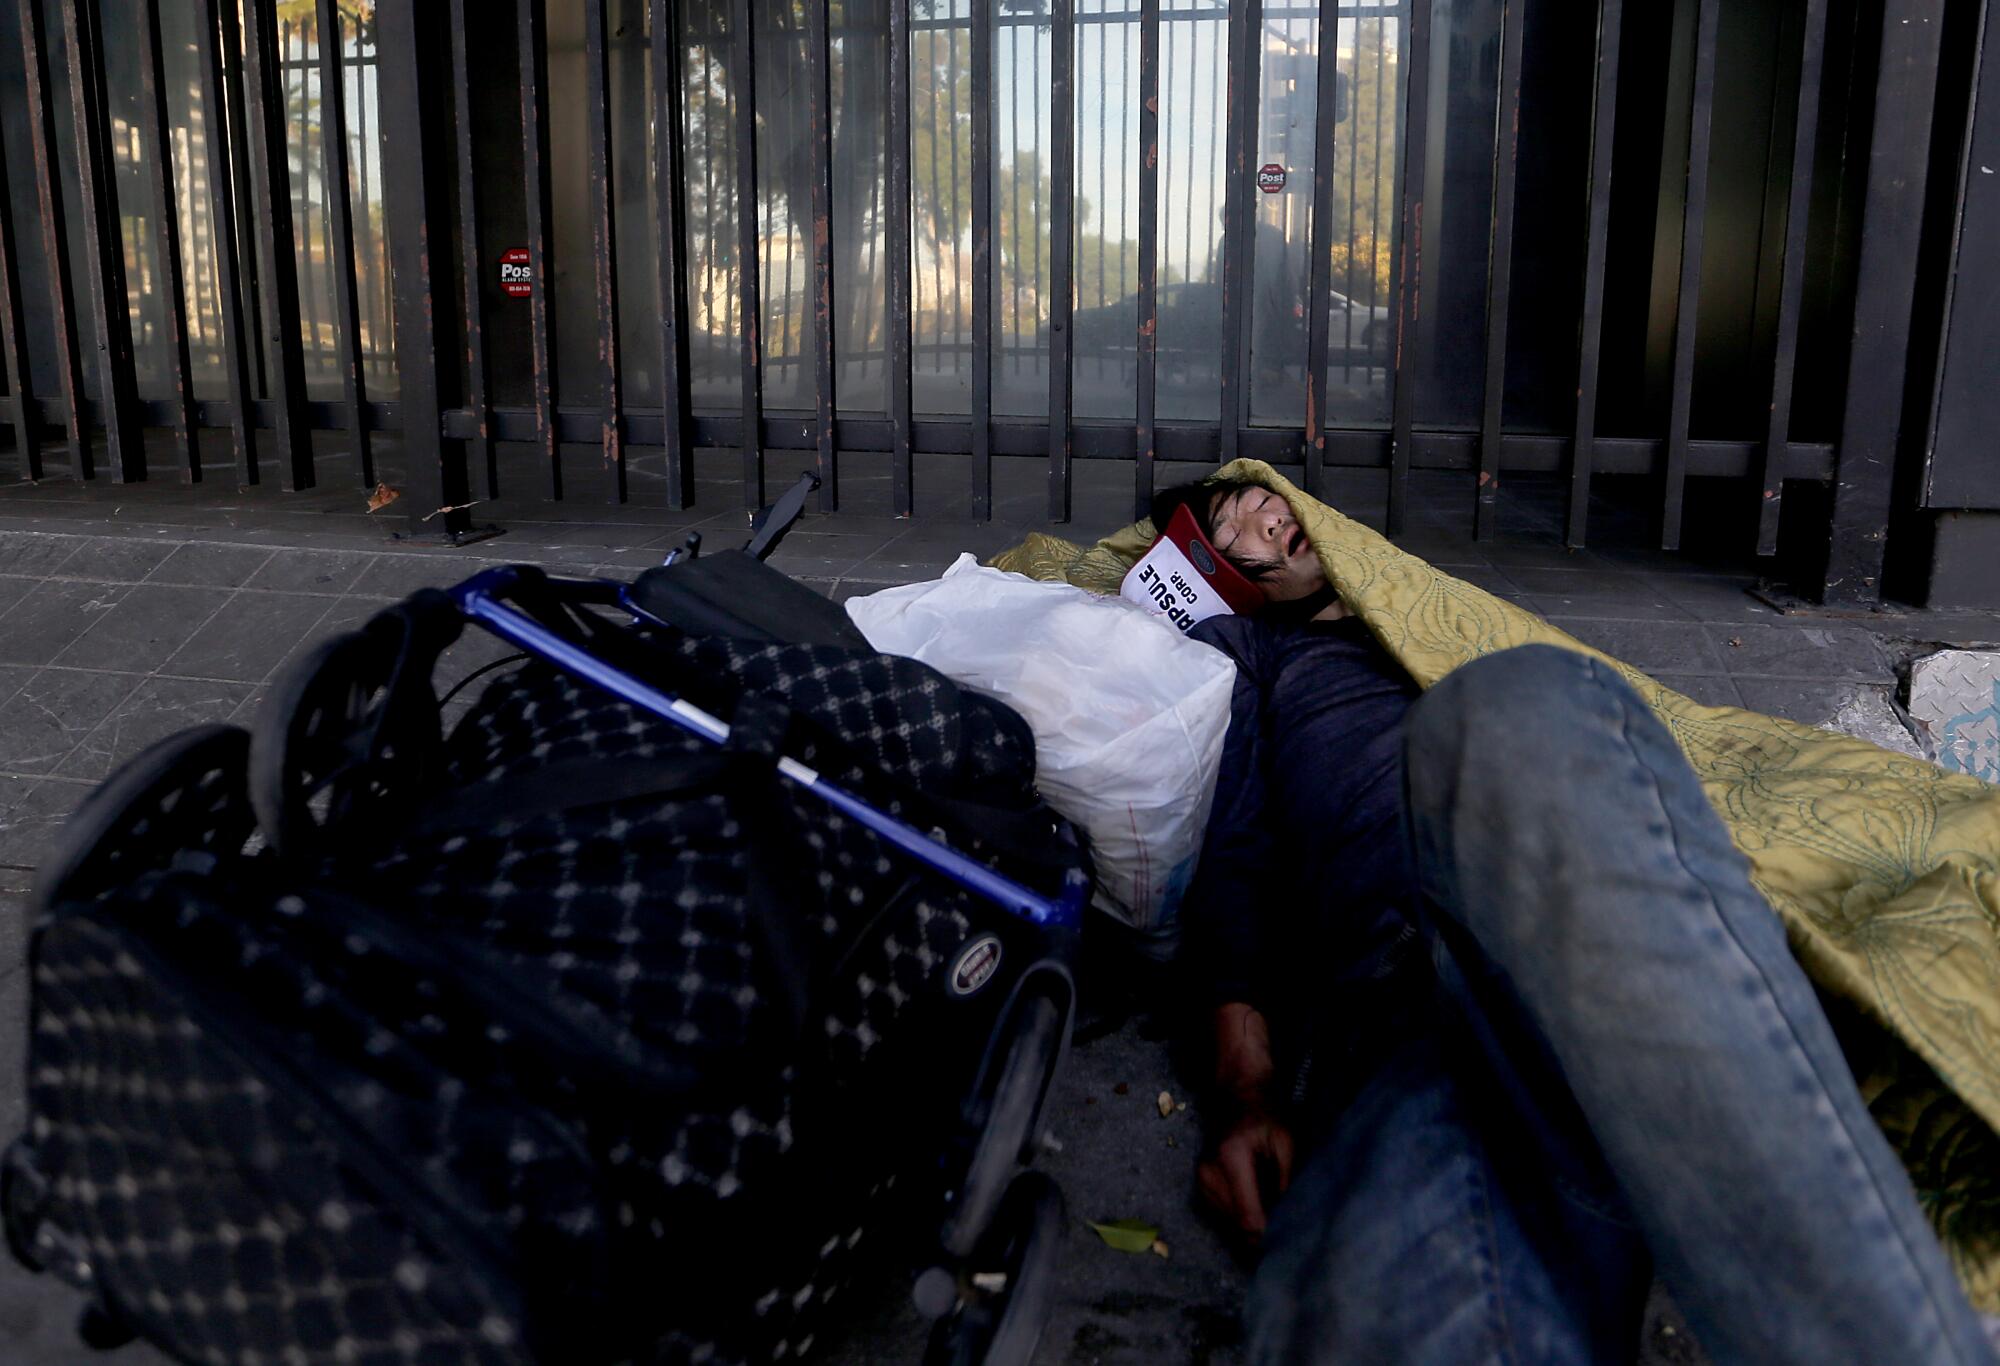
1128 713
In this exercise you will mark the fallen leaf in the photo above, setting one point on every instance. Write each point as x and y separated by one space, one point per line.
1736 641
1159 1247
1180 1105
1166 1103
382 497
1127 1235
1122 1089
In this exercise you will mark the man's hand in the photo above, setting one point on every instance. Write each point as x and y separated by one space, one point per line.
1247 1172
1251 1164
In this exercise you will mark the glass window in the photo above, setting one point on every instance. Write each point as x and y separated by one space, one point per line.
1281 211
1194 110
941 205
1361 325
1104 332
1023 207
708 112
859 233
298 58
365 198
578 323
1449 369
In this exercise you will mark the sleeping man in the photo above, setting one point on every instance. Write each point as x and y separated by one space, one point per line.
1500 1024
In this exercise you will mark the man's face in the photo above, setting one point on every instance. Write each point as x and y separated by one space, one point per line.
1255 531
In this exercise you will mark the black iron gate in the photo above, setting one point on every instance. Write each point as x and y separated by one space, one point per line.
1493 236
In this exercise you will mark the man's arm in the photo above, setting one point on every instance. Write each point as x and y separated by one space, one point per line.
1221 913
1250 1166
1222 916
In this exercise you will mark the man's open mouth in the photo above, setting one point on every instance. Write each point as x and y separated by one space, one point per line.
1295 542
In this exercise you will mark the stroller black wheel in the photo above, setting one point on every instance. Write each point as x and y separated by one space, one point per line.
182 795
351 731
1012 1281
344 735
1006 1120
310 750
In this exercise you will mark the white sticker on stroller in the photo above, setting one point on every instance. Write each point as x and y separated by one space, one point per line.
976 966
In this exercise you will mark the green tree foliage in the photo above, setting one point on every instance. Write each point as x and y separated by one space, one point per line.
1367 143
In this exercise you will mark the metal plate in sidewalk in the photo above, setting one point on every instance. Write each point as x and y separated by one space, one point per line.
1955 701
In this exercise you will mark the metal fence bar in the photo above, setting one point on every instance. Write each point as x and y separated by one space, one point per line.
472 256
1409 242
1708 18
222 217
55 235
982 258
307 270
951 141
670 230
232 85
532 45
901 282
1353 194
155 129
375 287
1246 26
819 133
1375 174
1319 271
1062 251
743 82
1791 289
416 182
27 413
1499 267
604 242
1145 426
1885 280
340 228
270 184
1603 127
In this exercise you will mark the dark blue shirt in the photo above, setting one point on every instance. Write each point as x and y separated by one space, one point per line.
1305 875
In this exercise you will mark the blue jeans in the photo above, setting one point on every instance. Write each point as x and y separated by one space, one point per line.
1608 1060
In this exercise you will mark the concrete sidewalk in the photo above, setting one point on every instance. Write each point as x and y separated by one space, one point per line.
128 614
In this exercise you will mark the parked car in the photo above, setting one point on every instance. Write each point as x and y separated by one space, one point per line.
1190 324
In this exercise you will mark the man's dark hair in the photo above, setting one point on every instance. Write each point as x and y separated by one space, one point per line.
1201 497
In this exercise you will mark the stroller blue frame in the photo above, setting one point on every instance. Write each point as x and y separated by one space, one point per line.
484 599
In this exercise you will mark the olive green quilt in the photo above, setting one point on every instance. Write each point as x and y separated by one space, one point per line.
1885 869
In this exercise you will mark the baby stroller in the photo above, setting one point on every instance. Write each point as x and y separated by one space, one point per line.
613 1021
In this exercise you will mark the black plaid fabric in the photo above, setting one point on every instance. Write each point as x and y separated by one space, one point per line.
431 1102
218 1213
902 715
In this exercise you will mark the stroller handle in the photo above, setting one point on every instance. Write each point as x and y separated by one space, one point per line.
483 599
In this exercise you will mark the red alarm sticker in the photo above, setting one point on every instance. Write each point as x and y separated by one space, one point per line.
517 278
1270 177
